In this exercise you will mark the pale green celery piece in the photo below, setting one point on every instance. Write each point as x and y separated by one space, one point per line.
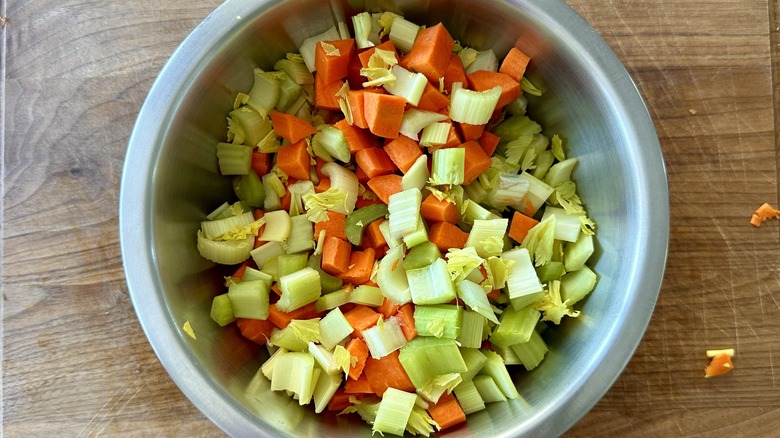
289 263
421 256
391 276
328 282
544 161
394 411
435 134
270 144
289 91
334 328
275 182
392 242
567 226
420 422
407 84
268 366
221 212
471 211
557 148
475 297
515 326
254 126
367 296
234 159
343 359
272 199
437 386
415 120
508 355
471 327
309 46
498 271
262 254
403 33
576 285
317 204
326 387
487 236
343 30
560 172
252 274
550 271
469 398
277 226
332 300
216 228
301 235
346 182
517 148
475 276
249 189
540 240
418 236
320 152
227 252
538 192
474 360
296 70
333 141
424 358
297 335
485 60
528 87
404 212
384 338
473 107
265 92
222 310
467 56
441 321
385 22
475 192
299 289
488 389
531 352
417 176
362 24
299 108
356 221
495 368
577 253
324 358
294 372
366 407
250 299
518 106
508 190
297 191
522 280
515 127
431 284
270 267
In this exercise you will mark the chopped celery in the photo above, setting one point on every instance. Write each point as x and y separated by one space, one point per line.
380 69
575 254
252 274
403 33
475 191
495 368
324 390
575 285
404 212
296 69
544 161
394 411
277 226
392 242
515 127
530 352
298 289
324 358
418 236
272 197
289 92
417 175
507 355
317 204
508 190
328 282
431 284
448 166
407 84
262 254
473 107
540 241
346 182
294 372
332 140
384 338
249 188
362 24
269 268
441 321
435 134
213 229
366 407
222 310
560 172
415 120
515 326
567 226
221 212
420 422
557 148
485 60
436 387
498 271
424 358
367 296
391 276
462 262
550 271
227 252
289 263
474 360
332 300
471 211
486 236
301 235
297 335
249 299
522 281
518 106
309 46
467 56
265 92
421 256
359 219
343 30
488 389
253 126
471 328
538 192
234 159
334 328
268 366
468 397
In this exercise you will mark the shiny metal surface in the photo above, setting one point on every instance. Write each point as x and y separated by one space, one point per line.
170 183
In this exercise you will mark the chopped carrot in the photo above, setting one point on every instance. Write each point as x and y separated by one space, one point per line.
358 349
489 142
447 411
432 99
325 93
239 272
290 127
430 54
385 185
361 318
719 365
324 185
403 152
514 64
764 213
334 226
275 289
388 308
336 255
383 113
471 132
354 78
357 138
476 161
256 330
520 225
494 294
405 316
367 198
445 236
374 162
366 54
435 210
455 73
282 319
359 386
318 163
360 265
261 163
483 80
340 400
357 103
294 160
387 372
333 65
453 138
374 235
285 200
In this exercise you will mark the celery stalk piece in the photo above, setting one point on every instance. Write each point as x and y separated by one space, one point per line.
420 422
522 280
515 127
544 161
422 255
367 296
252 274
403 33
297 335
507 355
221 212
317 204
362 24
324 358
462 262
431 284
289 263
509 190
485 60
474 360
293 372
299 289
516 326
498 271
408 85
567 226
301 235
277 226
469 398
576 285
216 228
297 191
356 221
343 30
441 321
222 310
531 352
250 299
551 271
296 68
404 212
272 198
346 182
448 166
392 242
417 175
560 172
334 328
268 366
518 106
391 276
424 358
269 268
265 92
254 126
577 253
394 411
262 254
328 282
228 252
384 338
332 140
495 368
488 389
249 189
540 241
487 236
475 192
415 120
326 387
471 211
435 134
309 46
467 56
289 91
437 386
471 327
234 159
475 297
418 236
473 107
332 300
538 192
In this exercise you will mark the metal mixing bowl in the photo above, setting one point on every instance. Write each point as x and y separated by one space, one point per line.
171 182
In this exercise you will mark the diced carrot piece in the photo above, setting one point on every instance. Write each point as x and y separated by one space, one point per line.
290 127
471 132
483 80
430 54
294 160
405 316
360 265
520 225
366 54
357 103
335 255
385 185
764 213
354 78
476 161
720 364
261 163
282 319
445 236
388 308
334 226
403 152
357 348
447 411
357 138
359 386
340 400
256 330
374 162
366 199
383 113
374 236
453 138
432 99
489 142
361 318
387 372
333 66
325 93
514 64
455 73
494 294
319 162
324 185
435 210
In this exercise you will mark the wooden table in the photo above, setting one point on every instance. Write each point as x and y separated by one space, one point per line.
76 363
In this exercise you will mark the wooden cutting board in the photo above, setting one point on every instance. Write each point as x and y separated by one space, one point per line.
75 362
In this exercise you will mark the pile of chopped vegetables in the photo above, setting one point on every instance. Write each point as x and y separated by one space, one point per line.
403 230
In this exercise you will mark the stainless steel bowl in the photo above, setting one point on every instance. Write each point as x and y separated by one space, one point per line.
170 182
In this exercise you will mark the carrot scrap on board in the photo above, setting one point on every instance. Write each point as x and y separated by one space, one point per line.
764 213
719 364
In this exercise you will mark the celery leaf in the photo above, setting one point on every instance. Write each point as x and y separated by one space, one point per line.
539 241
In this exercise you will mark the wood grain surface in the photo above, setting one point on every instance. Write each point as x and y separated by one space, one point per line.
76 363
